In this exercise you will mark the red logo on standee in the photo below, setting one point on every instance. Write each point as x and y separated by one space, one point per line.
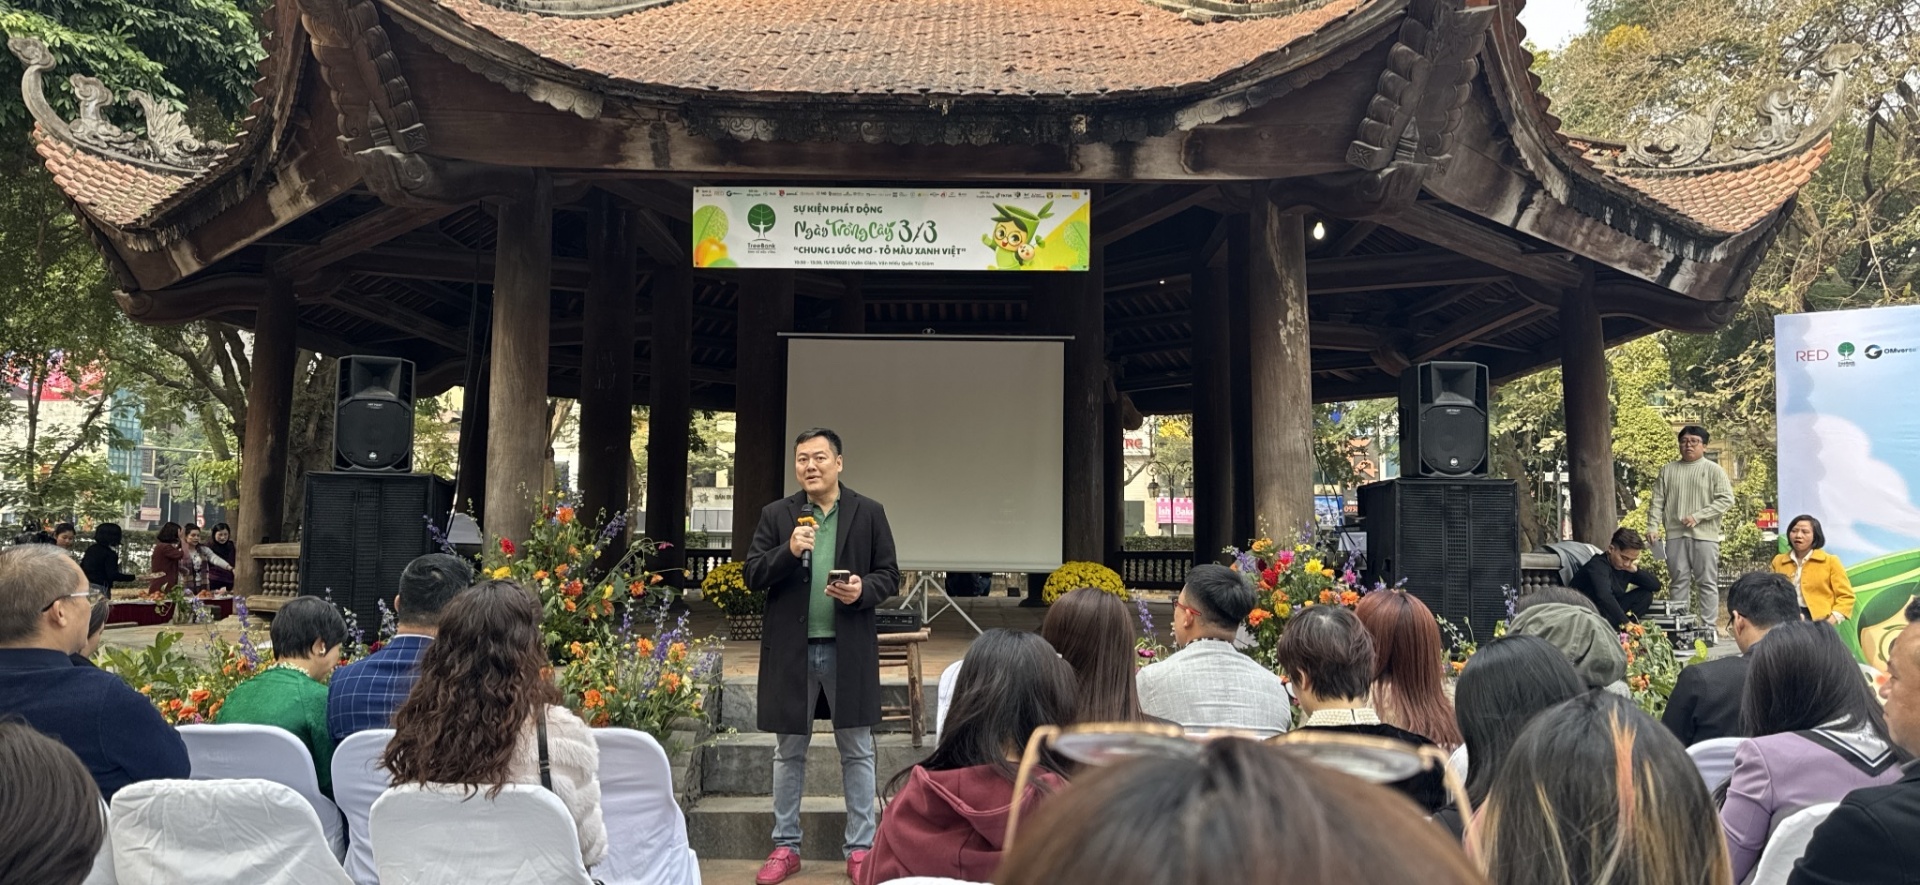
1810 356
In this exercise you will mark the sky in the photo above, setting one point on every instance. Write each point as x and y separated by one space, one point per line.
1551 23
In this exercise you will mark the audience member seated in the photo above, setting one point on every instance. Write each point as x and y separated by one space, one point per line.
101 562
1705 703
1409 684
1595 791
947 816
1869 838
51 827
485 714
1505 684
44 608
1614 581
1235 812
1329 656
365 693
1208 683
1093 631
1569 622
96 631
292 692
1817 735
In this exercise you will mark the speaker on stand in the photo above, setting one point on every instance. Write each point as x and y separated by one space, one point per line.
369 517
1443 530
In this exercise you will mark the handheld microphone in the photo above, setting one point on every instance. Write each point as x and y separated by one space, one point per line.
806 556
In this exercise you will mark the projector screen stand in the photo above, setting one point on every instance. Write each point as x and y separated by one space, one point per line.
925 584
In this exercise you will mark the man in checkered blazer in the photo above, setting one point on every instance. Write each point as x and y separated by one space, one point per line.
365 693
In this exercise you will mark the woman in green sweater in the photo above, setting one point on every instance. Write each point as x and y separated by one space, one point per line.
292 692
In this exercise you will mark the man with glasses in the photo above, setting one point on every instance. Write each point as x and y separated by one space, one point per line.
1689 498
1208 683
45 603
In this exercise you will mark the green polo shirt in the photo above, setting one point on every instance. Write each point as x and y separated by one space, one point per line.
819 604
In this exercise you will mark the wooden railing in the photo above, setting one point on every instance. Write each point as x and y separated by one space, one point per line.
279 566
701 561
1155 569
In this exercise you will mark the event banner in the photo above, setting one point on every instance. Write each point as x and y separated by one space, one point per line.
891 229
1849 450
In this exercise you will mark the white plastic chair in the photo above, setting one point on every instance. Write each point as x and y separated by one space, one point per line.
948 677
646 831
220 752
1714 759
449 834
1788 843
929 880
102 873
358 781
1457 761
219 832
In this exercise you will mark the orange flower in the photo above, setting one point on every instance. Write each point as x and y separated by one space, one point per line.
1255 617
1326 573
636 588
570 605
1459 665
670 681
215 709
643 645
657 578
579 651
174 705
1350 597
199 695
1327 597
592 699
573 588
601 720
561 569
565 515
540 575
677 652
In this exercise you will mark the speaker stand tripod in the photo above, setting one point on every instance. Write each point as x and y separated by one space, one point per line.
924 586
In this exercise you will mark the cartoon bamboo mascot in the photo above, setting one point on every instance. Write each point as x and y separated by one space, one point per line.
1016 231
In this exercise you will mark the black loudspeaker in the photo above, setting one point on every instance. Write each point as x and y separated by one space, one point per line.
1443 420
361 530
373 417
1455 543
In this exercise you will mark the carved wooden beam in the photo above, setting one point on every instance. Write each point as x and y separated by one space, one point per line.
1170 200
168 146
207 297
1429 222
357 236
395 316
1473 326
1408 132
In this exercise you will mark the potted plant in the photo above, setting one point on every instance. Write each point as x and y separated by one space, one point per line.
1072 576
726 586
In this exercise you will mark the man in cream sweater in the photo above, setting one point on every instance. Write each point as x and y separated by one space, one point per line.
1688 500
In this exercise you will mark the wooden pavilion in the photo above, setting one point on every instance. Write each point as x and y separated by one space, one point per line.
1294 201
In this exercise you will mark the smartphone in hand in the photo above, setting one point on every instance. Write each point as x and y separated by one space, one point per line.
839 576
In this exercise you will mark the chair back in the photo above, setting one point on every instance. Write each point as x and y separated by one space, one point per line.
646 831
102 873
1714 759
358 780
223 752
451 834
948 677
1788 843
218 832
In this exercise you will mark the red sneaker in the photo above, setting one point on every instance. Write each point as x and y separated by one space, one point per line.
856 862
781 864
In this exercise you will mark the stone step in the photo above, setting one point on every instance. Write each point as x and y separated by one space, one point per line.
741 827
742 763
740 704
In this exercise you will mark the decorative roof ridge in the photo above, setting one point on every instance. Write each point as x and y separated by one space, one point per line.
579 8
1209 11
169 146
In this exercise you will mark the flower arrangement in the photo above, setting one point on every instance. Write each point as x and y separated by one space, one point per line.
1147 647
1653 665
1287 580
558 561
647 683
1072 576
726 587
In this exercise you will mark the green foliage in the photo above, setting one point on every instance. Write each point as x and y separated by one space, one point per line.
435 447
709 223
1156 543
1337 444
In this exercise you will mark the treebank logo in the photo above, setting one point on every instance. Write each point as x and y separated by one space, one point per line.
761 219
1846 353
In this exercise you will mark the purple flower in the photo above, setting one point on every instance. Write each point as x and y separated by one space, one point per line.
1146 617
615 526
1249 566
438 537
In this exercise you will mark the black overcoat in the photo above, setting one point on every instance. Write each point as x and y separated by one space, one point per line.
865 547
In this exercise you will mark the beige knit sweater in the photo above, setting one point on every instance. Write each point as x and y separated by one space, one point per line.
575 764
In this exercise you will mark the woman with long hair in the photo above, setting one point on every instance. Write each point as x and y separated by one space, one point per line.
476 715
198 562
1506 683
1234 812
1597 793
166 560
1825 592
947 816
1817 734
1093 631
101 562
50 811
1409 665
220 573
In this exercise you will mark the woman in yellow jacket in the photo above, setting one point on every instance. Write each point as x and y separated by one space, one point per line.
1825 592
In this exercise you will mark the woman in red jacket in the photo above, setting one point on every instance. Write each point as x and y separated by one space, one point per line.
947 816
167 554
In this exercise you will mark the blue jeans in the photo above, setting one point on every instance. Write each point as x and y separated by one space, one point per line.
856 764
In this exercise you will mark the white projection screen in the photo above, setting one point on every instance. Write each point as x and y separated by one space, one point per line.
960 439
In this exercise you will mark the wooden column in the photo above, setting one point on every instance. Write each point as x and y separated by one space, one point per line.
1283 375
669 415
1113 481
606 378
1083 306
263 459
850 314
517 398
1212 417
470 478
1584 383
760 452
1240 378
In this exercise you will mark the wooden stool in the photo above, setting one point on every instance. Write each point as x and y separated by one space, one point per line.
903 650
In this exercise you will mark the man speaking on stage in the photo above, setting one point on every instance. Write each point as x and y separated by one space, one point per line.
825 557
